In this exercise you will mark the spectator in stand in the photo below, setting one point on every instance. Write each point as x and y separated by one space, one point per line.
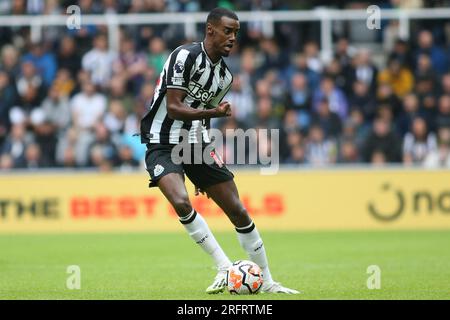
354 129
273 57
378 158
300 65
157 54
69 159
298 99
130 65
87 107
69 152
363 100
328 120
102 149
64 83
16 143
313 60
382 141
364 70
98 61
264 115
443 117
115 118
242 96
6 162
290 125
425 77
344 53
319 150
385 112
386 95
440 157
297 155
418 143
68 56
429 110
348 152
278 88
340 76
438 57
45 134
126 160
10 62
248 72
299 95
336 98
33 157
398 77
118 91
56 109
8 98
402 52
44 62
30 87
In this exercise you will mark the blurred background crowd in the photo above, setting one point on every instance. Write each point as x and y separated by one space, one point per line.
68 101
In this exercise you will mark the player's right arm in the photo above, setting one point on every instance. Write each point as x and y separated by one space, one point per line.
177 110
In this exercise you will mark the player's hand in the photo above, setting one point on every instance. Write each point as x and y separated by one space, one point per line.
224 109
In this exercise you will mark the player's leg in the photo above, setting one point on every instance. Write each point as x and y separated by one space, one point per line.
173 188
226 196
170 180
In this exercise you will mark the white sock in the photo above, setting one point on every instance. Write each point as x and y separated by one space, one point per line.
199 231
252 243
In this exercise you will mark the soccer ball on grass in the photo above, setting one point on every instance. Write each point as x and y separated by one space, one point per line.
244 277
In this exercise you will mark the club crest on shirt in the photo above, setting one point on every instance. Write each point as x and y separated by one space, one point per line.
221 83
178 67
158 170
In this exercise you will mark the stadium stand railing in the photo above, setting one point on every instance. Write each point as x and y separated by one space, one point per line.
323 15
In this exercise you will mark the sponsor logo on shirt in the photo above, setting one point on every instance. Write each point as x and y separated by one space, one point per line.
198 93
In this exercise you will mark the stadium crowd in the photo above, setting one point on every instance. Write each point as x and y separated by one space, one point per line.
68 101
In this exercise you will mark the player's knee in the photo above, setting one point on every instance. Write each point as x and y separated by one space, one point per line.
182 206
239 216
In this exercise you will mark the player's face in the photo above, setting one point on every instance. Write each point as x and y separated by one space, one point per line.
225 34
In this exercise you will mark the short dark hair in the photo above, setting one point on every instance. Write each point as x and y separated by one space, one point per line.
217 13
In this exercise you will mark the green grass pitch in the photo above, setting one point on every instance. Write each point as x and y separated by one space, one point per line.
323 265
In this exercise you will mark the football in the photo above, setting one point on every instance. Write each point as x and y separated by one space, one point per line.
244 277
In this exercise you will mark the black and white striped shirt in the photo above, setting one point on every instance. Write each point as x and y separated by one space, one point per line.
187 68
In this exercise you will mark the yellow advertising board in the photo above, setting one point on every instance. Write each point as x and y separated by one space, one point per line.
290 200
